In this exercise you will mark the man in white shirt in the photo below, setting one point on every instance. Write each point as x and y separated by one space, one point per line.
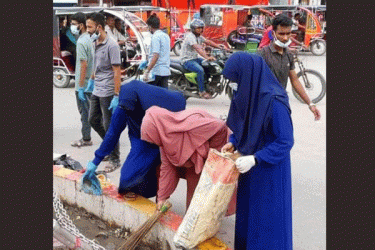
117 36
113 32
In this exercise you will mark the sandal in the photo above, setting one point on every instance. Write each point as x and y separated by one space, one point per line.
81 143
205 95
130 196
106 158
112 166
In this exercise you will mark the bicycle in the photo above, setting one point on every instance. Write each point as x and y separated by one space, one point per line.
312 81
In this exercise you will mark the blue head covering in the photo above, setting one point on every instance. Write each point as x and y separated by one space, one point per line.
137 92
249 111
136 97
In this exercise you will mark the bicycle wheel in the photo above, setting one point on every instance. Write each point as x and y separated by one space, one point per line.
317 89
318 47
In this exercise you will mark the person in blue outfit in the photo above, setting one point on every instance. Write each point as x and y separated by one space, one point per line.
260 119
139 172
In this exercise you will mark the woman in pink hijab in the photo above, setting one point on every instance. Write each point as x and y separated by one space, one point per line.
184 138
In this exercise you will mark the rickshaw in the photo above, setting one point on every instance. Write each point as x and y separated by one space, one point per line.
168 23
222 21
63 63
313 36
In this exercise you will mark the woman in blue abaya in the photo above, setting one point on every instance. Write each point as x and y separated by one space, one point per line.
139 172
259 117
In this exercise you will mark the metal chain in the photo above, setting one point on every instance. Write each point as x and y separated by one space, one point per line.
66 223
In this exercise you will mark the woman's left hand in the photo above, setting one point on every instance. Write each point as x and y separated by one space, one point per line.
229 147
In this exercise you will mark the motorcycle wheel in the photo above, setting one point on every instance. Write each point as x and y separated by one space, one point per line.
317 89
229 91
230 37
318 47
178 84
177 48
61 79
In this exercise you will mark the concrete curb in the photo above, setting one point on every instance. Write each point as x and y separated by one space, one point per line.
112 208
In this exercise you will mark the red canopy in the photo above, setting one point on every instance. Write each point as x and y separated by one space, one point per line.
195 4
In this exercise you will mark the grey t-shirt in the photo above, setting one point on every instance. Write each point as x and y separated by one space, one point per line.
187 50
280 65
107 54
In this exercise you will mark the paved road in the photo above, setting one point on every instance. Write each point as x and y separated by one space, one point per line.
308 158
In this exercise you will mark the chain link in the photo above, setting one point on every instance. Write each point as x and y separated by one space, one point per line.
66 223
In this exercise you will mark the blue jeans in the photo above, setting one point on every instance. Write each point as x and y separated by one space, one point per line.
195 66
83 109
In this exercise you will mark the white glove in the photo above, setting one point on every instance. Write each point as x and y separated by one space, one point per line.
233 85
244 163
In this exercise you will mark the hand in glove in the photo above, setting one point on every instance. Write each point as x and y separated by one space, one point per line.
244 163
143 65
90 183
145 76
90 86
81 94
114 104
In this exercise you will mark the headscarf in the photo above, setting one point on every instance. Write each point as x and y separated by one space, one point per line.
250 109
148 95
136 97
184 135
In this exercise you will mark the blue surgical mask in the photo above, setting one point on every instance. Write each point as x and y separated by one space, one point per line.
74 29
281 44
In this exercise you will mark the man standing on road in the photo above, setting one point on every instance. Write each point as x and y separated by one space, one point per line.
159 53
107 81
83 71
280 60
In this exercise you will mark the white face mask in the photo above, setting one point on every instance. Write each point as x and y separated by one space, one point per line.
74 29
279 43
94 36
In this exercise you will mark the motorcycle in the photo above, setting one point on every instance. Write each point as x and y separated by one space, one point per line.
176 48
185 81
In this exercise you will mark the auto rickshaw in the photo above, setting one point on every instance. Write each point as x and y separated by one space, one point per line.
222 21
312 36
168 23
63 60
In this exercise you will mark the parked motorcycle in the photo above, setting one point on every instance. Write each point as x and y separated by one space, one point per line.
177 46
185 81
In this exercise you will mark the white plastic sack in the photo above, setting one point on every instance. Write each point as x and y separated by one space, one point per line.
210 201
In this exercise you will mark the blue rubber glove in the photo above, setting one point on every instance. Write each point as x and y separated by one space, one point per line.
90 86
81 94
90 184
114 104
143 65
90 169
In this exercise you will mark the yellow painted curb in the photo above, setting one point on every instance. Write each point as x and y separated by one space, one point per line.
63 172
212 244
143 204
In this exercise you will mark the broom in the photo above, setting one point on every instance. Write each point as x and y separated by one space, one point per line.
141 232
